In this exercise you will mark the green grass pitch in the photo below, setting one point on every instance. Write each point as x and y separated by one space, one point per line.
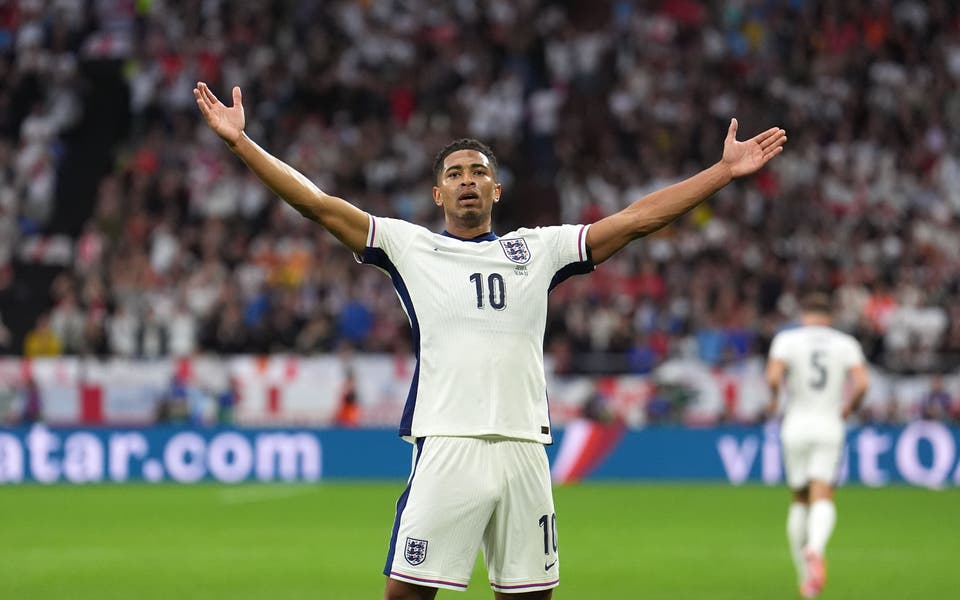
328 541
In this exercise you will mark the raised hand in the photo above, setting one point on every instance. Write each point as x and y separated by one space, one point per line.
744 158
227 122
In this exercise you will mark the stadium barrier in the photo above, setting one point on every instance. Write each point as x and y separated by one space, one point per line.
923 453
284 389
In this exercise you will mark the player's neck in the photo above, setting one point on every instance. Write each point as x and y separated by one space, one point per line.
816 320
467 232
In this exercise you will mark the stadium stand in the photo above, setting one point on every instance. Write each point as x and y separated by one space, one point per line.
128 230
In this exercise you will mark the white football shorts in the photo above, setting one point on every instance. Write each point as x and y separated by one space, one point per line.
464 493
812 451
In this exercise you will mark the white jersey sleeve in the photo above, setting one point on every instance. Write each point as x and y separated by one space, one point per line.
570 252
477 310
391 236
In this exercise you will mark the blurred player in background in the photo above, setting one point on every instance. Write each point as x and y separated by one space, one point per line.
815 362
477 303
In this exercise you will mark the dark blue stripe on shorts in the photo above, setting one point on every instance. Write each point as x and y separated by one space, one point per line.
401 505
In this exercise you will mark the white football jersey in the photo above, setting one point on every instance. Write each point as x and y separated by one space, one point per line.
478 310
818 359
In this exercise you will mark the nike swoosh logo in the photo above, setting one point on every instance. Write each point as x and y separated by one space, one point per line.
550 566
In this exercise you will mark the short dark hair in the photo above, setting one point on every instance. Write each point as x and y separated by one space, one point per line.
462 144
816 302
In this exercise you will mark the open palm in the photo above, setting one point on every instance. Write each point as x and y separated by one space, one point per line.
227 122
749 156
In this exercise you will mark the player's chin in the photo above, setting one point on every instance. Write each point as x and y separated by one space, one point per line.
471 215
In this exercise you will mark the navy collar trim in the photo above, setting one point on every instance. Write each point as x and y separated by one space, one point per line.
484 237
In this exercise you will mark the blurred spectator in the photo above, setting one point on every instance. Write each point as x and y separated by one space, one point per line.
588 106
227 402
597 407
181 332
228 333
6 339
67 323
173 407
641 356
95 341
42 340
32 403
348 412
151 337
317 335
122 331
8 307
937 403
355 322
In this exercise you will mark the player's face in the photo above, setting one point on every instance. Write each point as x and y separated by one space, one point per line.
467 189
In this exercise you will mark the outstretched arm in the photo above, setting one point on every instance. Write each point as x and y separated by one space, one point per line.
346 222
657 209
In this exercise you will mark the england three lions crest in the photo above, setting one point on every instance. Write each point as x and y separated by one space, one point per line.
416 551
516 250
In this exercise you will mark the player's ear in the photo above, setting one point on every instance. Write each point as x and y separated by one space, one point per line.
436 196
496 193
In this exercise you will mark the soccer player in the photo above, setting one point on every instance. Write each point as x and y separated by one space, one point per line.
815 361
477 410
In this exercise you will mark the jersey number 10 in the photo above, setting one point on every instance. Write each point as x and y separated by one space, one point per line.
496 288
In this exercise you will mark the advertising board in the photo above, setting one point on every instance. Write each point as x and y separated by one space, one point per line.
923 453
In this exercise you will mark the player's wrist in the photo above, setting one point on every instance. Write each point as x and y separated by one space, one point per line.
723 171
235 145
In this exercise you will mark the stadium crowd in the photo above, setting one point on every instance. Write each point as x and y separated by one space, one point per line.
588 104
